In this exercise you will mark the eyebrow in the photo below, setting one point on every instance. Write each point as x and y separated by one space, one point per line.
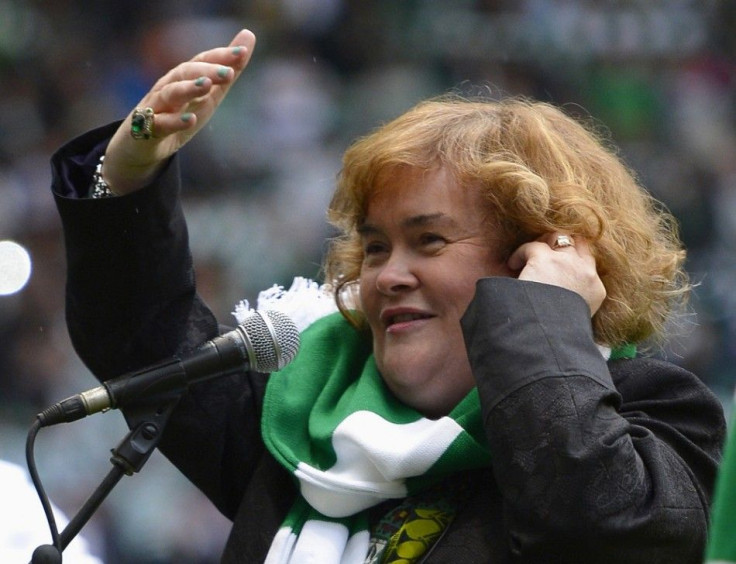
413 221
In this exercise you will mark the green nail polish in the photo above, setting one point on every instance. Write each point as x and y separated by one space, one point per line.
186 117
222 72
199 81
237 50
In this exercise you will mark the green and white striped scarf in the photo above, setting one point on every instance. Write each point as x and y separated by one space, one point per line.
330 420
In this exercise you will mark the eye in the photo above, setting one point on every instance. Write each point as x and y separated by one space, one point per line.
373 251
373 247
432 240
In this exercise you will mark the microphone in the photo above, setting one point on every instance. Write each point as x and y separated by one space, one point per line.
264 342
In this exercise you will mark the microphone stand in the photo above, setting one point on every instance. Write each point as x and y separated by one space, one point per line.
147 424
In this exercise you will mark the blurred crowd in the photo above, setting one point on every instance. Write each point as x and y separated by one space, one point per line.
659 74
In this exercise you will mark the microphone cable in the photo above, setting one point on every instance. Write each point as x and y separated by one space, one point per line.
266 342
43 551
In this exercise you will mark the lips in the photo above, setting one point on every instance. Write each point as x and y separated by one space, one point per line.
393 317
404 317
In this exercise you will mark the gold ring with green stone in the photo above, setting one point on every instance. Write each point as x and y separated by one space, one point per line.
141 123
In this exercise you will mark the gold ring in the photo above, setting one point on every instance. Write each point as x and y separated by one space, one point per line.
141 123
563 241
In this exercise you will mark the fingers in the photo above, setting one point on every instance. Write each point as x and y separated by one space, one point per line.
545 245
183 101
166 124
244 37
192 79
237 54
175 105
562 242
210 73
561 260
192 70
221 65
182 95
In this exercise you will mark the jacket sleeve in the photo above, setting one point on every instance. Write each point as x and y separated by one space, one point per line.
595 461
131 302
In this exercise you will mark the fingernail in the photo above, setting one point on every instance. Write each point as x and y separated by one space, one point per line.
199 81
222 71
186 117
237 50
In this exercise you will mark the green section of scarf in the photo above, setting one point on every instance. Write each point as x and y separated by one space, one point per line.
722 536
333 381
624 351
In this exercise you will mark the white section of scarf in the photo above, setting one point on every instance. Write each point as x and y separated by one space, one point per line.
304 302
374 457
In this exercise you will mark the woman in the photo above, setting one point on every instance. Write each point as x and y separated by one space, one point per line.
480 401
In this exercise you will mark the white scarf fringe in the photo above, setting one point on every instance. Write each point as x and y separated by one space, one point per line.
304 302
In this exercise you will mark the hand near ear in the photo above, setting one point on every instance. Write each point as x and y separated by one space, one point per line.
572 267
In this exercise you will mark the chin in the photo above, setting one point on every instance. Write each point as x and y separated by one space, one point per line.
405 370
415 391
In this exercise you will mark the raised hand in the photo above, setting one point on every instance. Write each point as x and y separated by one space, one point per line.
561 260
183 101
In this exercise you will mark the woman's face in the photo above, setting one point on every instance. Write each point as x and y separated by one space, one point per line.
426 242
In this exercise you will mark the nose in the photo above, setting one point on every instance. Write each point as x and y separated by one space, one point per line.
396 275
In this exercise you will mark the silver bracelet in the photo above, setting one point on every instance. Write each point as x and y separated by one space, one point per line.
100 188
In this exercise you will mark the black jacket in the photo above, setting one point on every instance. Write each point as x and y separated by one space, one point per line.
592 461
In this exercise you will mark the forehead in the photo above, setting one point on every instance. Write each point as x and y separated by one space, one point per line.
430 194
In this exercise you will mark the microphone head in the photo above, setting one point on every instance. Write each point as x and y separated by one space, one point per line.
272 340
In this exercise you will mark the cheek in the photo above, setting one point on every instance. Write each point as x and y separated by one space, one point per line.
462 289
367 294
468 272
462 294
